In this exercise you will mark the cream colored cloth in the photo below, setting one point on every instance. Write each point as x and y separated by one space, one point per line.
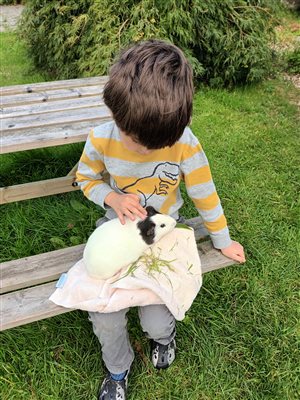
175 286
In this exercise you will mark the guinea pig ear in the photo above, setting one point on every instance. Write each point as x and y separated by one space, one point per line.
147 230
151 211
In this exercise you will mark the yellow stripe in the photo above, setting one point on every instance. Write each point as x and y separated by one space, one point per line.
198 176
190 151
96 165
81 178
114 148
217 225
208 203
170 200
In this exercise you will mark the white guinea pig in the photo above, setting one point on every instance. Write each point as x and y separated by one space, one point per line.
112 245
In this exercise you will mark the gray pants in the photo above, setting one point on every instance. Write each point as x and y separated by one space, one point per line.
111 329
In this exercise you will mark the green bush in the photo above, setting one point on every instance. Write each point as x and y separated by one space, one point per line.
227 42
11 2
293 61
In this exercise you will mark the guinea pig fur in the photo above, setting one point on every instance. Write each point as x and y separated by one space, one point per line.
113 246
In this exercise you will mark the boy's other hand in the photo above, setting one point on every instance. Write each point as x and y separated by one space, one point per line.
126 205
235 251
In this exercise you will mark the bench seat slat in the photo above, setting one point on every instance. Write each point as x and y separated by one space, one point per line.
32 304
41 268
45 267
53 85
28 305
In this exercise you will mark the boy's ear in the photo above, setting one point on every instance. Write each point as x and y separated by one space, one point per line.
151 211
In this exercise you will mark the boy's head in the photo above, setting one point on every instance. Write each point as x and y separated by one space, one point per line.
150 93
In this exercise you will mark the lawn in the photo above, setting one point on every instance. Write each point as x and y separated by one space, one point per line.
240 339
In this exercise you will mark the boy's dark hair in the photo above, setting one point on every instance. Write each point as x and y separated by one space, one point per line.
150 93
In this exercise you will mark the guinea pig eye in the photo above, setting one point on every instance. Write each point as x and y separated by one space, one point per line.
163 225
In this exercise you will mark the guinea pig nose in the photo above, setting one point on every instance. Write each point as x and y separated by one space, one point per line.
163 225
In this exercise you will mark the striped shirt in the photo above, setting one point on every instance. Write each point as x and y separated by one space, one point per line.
154 177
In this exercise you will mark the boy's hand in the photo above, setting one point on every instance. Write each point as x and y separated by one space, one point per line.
235 251
125 205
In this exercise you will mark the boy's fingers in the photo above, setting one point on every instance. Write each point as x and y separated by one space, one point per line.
240 258
121 218
140 214
137 204
137 212
235 257
129 214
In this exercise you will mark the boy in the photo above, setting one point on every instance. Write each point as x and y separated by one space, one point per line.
147 150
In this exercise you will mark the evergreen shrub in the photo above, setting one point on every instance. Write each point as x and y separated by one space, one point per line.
227 42
11 2
293 61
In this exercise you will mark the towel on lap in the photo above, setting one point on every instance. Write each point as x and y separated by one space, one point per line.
175 284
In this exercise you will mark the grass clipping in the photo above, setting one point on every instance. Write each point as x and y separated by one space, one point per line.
152 263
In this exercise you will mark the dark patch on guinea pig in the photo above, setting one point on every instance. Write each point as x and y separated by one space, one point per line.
147 230
151 211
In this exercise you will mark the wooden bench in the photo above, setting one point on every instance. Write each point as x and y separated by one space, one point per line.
37 116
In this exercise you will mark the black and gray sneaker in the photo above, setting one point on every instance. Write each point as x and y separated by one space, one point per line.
163 354
112 389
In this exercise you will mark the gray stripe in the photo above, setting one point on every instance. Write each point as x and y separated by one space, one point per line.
162 170
98 193
188 137
118 167
175 207
221 239
104 130
202 190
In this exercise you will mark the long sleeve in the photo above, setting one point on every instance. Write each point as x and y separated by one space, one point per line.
89 174
201 189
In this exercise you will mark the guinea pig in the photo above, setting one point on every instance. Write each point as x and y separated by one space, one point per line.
112 245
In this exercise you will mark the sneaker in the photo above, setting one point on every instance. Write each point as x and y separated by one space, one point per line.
163 354
112 389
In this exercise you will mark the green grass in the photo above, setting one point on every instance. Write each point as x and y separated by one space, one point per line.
15 67
240 338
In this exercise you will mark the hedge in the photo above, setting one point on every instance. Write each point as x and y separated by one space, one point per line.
227 42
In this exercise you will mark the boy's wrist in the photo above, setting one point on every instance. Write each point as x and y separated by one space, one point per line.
221 241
